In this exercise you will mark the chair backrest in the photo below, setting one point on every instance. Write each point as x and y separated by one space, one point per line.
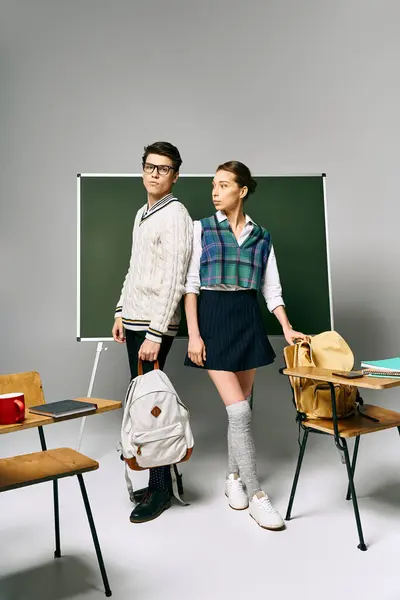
28 384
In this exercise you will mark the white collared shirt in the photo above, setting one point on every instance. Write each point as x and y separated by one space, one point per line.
270 283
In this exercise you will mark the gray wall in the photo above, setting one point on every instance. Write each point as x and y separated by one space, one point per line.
287 87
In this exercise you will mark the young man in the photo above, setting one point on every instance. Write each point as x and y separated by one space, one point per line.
148 312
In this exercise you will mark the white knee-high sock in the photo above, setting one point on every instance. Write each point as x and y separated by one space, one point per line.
232 464
239 415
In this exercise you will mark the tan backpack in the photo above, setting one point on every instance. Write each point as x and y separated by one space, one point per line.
326 350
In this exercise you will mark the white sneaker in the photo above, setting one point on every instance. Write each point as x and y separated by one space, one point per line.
235 493
264 513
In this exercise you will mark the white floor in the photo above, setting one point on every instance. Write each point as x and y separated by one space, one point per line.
207 551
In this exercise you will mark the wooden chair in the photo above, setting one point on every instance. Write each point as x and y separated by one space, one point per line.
48 465
369 420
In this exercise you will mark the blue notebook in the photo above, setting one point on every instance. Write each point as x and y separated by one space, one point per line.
388 364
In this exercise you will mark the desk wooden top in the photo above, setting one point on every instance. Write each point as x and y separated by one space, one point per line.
33 420
372 383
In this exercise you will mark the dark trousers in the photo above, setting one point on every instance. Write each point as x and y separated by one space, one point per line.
160 477
134 339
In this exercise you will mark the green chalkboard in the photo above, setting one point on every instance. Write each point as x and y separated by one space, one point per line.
292 208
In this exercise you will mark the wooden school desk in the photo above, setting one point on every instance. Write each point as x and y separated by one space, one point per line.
33 420
376 419
51 465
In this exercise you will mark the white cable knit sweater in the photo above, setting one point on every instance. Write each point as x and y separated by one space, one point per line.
155 282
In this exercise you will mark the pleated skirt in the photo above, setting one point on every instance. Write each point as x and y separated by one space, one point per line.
231 326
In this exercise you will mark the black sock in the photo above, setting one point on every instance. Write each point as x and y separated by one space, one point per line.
160 478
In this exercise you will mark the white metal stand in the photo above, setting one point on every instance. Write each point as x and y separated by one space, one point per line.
89 394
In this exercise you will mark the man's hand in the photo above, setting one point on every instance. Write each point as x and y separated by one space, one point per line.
149 350
118 332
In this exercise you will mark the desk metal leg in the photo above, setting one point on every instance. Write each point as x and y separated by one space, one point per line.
296 476
57 551
341 444
361 545
42 439
94 535
353 464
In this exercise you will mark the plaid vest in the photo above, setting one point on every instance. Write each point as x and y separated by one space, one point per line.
223 261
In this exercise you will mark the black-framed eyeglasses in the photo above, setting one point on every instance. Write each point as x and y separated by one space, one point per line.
161 169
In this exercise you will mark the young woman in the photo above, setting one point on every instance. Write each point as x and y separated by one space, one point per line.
232 259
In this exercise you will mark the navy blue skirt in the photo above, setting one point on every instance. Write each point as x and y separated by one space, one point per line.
231 326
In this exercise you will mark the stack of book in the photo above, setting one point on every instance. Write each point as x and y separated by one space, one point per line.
389 367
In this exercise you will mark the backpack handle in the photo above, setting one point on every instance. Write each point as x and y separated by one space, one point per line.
307 340
140 366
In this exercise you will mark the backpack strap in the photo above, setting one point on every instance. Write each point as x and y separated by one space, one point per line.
360 402
129 485
175 487
128 481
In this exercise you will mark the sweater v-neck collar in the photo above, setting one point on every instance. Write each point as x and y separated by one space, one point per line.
148 212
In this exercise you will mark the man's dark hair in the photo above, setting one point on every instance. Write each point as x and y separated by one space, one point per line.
164 149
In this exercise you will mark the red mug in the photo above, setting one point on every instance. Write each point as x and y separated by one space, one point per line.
12 408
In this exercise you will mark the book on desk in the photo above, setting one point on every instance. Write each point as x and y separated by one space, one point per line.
389 367
64 408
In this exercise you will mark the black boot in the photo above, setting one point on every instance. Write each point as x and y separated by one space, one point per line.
139 494
153 503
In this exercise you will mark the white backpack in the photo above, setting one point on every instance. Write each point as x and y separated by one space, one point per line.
155 426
